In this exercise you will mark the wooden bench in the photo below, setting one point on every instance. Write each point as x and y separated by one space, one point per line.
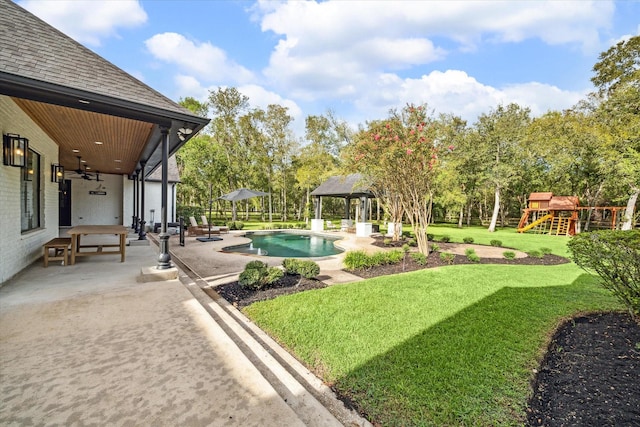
60 247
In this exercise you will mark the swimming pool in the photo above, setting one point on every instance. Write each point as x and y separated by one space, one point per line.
287 245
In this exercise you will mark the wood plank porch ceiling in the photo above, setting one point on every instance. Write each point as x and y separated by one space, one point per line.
122 139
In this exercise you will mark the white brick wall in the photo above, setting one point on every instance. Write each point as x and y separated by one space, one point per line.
18 250
97 209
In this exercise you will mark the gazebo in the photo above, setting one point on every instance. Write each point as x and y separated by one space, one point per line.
346 187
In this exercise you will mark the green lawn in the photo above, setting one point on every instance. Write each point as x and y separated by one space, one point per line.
449 346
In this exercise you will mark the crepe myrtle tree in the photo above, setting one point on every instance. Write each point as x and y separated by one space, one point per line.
400 156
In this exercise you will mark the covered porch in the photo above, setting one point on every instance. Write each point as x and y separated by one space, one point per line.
80 139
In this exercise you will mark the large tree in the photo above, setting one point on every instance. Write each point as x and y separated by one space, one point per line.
501 133
617 77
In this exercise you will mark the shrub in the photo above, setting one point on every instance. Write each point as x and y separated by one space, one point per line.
545 251
445 239
308 269
257 275
535 254
495 242
509 254
615 256
419 258
435 247
412 242
235 225
394 256
447 257
468 240
354 260
387 242
290 265
379 258
472 255
406 248
430 236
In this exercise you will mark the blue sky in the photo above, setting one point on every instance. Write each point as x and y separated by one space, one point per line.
357 58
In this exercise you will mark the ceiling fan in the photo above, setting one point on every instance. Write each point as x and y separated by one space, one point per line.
84 174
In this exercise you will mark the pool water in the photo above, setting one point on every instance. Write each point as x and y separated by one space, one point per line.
287 245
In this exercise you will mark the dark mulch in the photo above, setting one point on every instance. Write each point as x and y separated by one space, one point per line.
289 284
590 375
433 260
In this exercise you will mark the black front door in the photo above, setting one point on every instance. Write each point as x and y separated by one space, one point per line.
64 203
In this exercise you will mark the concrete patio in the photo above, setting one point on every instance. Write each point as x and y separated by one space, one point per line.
89 344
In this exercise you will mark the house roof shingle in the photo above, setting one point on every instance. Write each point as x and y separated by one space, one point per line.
33 49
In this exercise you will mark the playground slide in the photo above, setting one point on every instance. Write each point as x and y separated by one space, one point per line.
534 223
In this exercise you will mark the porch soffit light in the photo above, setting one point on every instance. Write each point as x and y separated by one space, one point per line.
14 150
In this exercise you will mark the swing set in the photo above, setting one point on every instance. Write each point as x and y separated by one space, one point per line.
563 215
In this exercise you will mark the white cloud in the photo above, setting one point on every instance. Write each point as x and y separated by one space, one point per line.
456 92
88 22
327 49
204 60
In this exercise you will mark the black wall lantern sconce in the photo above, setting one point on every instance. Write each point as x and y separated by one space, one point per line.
14 150
57 173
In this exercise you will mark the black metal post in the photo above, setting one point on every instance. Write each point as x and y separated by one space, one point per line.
164 258
181 231
133 206
137 201
209 239
142 235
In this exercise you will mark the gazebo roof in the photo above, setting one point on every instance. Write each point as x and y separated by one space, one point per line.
343 186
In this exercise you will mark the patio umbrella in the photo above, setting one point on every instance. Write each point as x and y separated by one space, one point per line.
241 194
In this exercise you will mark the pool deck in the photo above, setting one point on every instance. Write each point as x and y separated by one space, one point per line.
215 267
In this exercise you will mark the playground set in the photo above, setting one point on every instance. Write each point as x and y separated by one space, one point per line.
561 215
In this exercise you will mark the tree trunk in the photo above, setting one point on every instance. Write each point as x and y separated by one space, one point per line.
628 213
496 209
461 216
469 209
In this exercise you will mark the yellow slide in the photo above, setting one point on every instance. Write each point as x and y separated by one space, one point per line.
534 223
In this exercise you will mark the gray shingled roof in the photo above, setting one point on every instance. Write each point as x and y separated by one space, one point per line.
31 48
343 186
172 172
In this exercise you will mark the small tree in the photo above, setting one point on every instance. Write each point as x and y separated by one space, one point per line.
400 156
615 257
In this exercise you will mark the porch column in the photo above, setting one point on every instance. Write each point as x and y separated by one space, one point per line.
136 203
142 235
164 259
133 205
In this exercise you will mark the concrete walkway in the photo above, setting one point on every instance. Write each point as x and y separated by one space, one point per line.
88 344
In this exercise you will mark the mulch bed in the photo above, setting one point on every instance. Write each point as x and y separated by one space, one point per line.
590 375
289 284
433 260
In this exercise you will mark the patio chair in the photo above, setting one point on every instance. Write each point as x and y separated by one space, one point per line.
218 228
196 230
331 226
346 225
